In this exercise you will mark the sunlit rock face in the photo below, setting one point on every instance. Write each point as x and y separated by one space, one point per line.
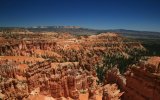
111 92
142 81
114 76
62 66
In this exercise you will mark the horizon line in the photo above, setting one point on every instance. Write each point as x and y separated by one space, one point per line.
76 27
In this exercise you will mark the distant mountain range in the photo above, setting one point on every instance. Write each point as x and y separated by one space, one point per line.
136 34
75 27
76 30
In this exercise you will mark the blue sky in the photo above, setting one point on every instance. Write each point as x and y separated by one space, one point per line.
98 14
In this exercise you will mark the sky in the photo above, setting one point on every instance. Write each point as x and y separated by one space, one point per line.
97 14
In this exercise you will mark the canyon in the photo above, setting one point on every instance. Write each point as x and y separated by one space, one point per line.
63 66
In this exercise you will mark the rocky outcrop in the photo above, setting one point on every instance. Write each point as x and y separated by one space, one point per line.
142 82
111 92
114 76
13 89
